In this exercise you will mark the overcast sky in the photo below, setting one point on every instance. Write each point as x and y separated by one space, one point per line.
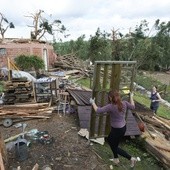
85 16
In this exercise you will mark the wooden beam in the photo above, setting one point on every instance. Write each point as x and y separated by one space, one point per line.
36 166
162 123
1 163
3 153
158 155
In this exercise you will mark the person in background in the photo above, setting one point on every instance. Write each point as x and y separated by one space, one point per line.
117 110
155 99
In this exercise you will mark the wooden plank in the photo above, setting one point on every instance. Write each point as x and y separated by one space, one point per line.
3 152
158 155
162 123
29 105
2 167
115 77
96 89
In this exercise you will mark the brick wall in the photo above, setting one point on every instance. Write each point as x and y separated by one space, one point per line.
14 49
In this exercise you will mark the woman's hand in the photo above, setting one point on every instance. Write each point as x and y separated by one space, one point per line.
92 101
131 94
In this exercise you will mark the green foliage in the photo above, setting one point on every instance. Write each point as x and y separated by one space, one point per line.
29 62
80 48
100 46
150 52
85 82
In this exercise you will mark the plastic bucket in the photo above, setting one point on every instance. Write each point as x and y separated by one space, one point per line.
21 150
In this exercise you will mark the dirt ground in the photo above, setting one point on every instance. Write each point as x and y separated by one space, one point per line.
67 151
161 76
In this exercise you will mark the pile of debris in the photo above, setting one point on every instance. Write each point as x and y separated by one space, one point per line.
71 62
21 112
17 90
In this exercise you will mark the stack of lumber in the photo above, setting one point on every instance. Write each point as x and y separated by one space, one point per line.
34 110
157 138
16 91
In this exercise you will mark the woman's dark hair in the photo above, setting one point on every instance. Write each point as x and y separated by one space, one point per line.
114 98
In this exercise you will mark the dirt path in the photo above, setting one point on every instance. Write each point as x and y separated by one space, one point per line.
162 77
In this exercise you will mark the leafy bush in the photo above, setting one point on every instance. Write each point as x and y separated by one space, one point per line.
29 62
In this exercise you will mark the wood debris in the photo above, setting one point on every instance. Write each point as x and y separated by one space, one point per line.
26 111
72 65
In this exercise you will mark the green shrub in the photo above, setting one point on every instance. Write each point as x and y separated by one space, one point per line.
29 62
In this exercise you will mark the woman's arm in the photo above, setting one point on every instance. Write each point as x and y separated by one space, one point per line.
92 101
97 109
131 99
94 106
159 98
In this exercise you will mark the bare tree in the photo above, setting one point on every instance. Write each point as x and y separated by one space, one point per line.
4 25
41 26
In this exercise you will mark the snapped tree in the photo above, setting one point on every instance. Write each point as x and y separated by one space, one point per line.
4 25
42 25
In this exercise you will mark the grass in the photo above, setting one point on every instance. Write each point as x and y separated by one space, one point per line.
134 147
148 82
163 110
84 82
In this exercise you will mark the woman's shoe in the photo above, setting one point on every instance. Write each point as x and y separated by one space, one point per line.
133 161
115 161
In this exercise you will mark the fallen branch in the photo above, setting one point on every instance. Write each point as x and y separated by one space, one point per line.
14 137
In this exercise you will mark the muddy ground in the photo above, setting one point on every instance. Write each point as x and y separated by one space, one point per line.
68 150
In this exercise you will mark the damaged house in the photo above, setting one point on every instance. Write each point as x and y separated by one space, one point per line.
12 48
